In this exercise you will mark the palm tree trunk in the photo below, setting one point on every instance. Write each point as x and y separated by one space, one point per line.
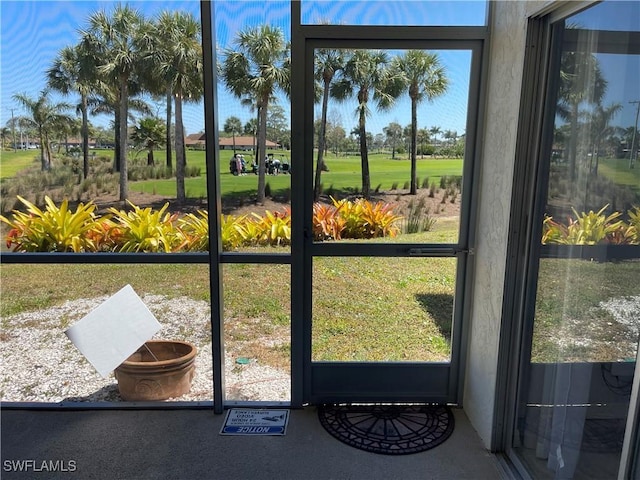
180 157
364 156
414 147
43 162
85 136
573 143
321 140
116 143
168 138
262 150
123 134
255 134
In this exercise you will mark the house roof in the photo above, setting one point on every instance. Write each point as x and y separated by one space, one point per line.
246 141
241 141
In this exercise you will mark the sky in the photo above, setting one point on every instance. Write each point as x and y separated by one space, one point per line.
621 71
33 32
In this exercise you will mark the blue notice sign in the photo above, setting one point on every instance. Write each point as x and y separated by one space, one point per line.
250 421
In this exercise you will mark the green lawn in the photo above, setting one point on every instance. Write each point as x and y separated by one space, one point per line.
344 174
571 323
407 318
617 170
13 162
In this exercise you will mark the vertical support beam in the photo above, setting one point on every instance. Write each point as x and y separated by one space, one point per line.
214 202
298 269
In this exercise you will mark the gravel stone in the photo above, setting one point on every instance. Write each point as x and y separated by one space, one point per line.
40 364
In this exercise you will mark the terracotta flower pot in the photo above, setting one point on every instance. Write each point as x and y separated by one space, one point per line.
141 377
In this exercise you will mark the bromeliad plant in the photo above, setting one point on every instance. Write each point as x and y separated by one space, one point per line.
362 219
54 229
146 230
195 231
593 228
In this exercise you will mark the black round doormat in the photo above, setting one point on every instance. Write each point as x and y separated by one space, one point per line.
388 429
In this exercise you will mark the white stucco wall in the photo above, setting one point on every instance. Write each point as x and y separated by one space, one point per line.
506 60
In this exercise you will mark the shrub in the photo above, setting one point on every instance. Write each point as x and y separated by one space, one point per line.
366 220
275 228
52 230
232 231
592 228
145 230
195 231
328 224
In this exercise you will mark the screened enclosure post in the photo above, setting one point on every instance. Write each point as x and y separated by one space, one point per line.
297 211
214 204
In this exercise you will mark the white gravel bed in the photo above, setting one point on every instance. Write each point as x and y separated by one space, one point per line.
40 364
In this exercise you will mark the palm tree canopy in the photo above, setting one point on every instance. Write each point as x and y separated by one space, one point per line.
41 112
422 73
149 133
365 74
581 80
117 39
259 65
178 53
73 69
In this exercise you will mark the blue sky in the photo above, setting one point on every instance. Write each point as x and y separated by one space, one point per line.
32 32
621 71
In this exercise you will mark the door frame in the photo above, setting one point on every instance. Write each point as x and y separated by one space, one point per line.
324 382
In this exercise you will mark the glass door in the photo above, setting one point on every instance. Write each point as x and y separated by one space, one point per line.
580 335
388 172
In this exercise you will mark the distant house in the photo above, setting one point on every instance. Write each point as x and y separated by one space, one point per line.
197 141
77 142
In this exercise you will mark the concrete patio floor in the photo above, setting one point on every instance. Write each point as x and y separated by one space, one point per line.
185 444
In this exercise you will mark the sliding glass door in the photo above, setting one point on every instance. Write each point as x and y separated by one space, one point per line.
582 301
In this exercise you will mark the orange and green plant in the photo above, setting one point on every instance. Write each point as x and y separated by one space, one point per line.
593 228
54 229
147 230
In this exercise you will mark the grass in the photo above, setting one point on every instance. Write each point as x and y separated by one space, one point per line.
344 175
13 162
617 170
570 323
416 293
344 172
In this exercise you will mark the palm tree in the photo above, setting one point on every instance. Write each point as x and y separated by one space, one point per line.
149 134
106 101
178 50
424 78
44 116
366 74
393 132
328 63
233 125
600 119
5 132
581 81
74 69
258 66
116 41
434 132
